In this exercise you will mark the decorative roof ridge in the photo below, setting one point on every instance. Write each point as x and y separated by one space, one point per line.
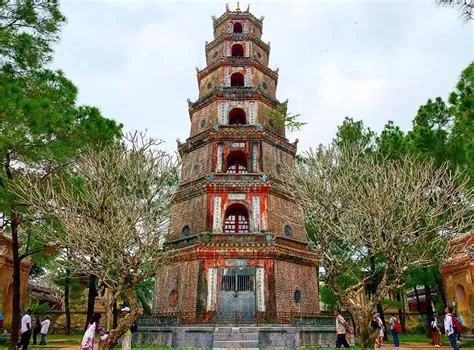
217 130
217 20
246 92
237 61
209 45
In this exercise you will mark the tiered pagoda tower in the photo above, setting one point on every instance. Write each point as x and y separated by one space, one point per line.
239 242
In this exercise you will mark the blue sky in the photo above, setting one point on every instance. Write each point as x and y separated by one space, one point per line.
372 60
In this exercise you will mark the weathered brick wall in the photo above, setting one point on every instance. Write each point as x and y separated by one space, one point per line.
183 278
211 81
283 212
267 84
290 277
197 163
272 157
208 114
215 54
192 212
259 54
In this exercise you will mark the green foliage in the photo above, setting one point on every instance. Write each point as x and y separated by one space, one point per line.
392 141
281 118
328 297
40 309
355 134
27 30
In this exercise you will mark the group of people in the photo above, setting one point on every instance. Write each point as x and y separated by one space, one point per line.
452 329
343 329
27 329
93 327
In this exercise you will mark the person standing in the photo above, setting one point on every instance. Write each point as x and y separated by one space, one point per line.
382 329
25 329
449 327
341 329
89 336
44 330
458 333
394 329
36 329
435 331
127 337
376 329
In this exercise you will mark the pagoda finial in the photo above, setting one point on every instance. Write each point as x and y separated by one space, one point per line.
227 7
238 7
248 8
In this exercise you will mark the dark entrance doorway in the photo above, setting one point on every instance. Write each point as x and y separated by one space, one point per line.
236 300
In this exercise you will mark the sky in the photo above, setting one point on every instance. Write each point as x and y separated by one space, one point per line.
371 60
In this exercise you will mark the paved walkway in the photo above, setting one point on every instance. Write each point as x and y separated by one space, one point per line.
404 346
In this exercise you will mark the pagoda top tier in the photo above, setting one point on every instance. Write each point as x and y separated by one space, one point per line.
250 24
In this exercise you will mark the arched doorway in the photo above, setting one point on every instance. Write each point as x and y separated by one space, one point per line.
237 117
461 300
237 50
237 27
237 79
236 219
237 163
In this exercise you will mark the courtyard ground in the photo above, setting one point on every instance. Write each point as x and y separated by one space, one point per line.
408 342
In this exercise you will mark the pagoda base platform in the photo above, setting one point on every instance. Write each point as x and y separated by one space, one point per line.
248 336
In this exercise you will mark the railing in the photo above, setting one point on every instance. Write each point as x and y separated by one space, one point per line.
246 178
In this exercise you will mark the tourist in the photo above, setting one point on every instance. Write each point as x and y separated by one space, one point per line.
376 329
44 330
36 329
449 329
342 327
435 331
25 329
89 336
382 329
395 328
459 320
127 337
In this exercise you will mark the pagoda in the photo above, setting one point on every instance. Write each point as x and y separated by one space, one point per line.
239 249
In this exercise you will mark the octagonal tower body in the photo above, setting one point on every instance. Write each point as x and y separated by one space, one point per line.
238 239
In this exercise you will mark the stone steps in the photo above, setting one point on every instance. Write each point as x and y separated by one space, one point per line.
234 344
238 336
235 337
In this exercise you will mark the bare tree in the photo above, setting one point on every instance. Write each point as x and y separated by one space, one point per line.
369 217
112 209
465 7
